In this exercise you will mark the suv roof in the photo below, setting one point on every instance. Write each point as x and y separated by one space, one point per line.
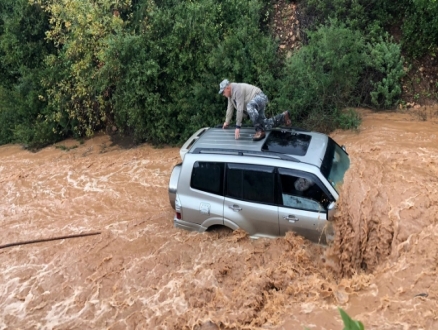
288 144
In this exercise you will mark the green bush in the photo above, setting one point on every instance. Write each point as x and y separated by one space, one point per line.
323 76
348 119
352 13
152 68
7 116
339 69
420 27
386 70
80 30
418 19
367 16
166 77
22 52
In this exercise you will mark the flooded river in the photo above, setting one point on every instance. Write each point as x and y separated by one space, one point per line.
138 272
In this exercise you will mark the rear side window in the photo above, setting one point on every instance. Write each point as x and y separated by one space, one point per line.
208 177
251 183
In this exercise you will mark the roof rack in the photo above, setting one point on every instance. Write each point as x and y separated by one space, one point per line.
292 129
266 154
234 125
279 128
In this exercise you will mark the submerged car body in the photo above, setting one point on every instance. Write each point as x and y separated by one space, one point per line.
287 181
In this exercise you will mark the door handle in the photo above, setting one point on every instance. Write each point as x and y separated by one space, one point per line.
291 218
235 208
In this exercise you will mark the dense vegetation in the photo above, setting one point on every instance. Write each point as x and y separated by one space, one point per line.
151 69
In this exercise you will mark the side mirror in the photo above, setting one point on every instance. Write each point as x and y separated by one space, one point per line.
331 209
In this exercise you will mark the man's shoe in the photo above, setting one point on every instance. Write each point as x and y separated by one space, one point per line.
259 135
287 120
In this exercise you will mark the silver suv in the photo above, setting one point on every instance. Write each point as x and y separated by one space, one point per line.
287 181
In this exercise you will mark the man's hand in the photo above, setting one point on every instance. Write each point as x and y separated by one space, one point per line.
237 133
225 125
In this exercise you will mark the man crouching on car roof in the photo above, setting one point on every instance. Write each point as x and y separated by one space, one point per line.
250 99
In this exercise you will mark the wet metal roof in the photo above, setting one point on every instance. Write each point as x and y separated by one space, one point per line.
303 146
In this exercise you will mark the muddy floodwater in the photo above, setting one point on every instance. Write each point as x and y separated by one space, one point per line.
139 272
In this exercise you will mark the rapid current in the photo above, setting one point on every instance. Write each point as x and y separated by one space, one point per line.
138 272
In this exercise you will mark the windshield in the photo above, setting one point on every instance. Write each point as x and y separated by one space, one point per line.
335 163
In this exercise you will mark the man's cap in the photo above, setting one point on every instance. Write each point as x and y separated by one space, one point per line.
224 83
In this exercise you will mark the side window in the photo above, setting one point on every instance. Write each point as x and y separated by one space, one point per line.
208 177
301 191
251 183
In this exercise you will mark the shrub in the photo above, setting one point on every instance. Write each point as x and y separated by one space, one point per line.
339 69
418 19
166 77
79 29
348 119
386 70
352 13
152 68
22 53
7 117
323 75
420 27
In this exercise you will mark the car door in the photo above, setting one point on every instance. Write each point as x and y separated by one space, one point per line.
303 204
250 199
203 204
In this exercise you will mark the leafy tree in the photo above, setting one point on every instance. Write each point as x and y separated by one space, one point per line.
80 29
22 52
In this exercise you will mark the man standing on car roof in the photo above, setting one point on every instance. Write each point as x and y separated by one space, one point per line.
250 99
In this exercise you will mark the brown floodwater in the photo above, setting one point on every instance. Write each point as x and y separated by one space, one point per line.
142 273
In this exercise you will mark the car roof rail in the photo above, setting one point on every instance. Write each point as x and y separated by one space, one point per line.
279 128
239 152
233 125
291 129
